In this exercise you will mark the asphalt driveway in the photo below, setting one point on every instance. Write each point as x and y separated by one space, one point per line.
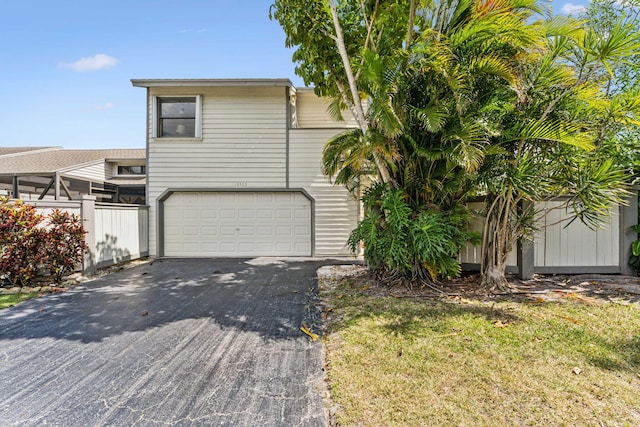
172 343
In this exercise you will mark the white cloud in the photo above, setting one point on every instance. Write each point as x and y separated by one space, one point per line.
103 107
571 8
91 63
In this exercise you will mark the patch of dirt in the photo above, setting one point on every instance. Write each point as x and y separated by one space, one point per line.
541 287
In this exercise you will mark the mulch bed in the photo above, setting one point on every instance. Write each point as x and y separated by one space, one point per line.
544 287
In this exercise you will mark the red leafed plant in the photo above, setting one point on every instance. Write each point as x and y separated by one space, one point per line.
30 241
64 243
21 249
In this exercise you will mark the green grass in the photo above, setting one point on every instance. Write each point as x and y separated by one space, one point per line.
465 362
13 299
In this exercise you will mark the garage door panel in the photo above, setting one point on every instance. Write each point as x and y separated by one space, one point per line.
237 224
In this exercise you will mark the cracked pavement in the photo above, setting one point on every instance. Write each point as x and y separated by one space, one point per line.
174 342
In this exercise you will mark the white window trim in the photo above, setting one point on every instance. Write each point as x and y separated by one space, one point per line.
154 115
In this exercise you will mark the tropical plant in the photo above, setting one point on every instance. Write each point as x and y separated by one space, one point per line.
467 98
21 252
31 243
64 243
403 242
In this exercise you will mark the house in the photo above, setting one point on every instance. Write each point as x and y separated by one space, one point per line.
234 169
37 173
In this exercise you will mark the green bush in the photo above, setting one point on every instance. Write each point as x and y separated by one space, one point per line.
418 243
31 242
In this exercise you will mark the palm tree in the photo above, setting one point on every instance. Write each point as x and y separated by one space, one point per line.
425 105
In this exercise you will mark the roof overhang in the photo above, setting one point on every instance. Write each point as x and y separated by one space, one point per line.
211 82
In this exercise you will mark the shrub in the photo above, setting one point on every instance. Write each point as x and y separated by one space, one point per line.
30 241
418 243
20 242
64 243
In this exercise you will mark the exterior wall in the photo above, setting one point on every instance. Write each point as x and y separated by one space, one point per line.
95 172
243 144
311 112
111 168
336 212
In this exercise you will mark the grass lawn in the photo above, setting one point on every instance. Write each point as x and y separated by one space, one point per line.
572 360
13 299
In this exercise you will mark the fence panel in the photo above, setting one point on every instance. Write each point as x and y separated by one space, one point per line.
560 243
115 232
560 246
470 254
119 233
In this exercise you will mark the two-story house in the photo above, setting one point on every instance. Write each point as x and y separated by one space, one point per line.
234 169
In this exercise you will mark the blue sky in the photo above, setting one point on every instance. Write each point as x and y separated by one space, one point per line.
66 65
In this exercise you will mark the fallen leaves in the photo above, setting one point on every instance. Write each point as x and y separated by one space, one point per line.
500 324
577 297
570 319
307 331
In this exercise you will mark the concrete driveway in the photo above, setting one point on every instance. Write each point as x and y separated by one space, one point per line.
172 343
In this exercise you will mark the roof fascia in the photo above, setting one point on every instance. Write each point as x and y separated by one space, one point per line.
210 82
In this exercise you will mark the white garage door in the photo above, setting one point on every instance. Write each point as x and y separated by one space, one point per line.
226 224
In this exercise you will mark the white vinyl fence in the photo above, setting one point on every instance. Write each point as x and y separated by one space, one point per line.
122 232
565 247
115 232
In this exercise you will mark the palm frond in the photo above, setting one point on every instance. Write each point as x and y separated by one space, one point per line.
552 131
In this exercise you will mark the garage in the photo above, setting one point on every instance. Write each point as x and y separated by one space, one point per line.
237 223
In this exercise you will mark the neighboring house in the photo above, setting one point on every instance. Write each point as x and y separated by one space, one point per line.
234 169
51 173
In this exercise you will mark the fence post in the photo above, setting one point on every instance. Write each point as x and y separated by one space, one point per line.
525 251
88 215
628 218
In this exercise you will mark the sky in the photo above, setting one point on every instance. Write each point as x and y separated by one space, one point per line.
66 65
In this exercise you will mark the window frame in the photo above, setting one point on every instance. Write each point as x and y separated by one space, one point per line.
119 173
156 117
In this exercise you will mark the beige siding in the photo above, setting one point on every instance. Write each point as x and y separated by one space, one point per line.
243 144
311 112
111 168
95 172
336 212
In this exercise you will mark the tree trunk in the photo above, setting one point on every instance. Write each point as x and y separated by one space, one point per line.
358 108
498 239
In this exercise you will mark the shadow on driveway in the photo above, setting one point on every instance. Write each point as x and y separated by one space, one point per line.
173 342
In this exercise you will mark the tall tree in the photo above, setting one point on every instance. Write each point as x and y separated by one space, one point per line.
553 135
462 98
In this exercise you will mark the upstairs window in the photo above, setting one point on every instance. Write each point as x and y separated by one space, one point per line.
177 117
132 170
